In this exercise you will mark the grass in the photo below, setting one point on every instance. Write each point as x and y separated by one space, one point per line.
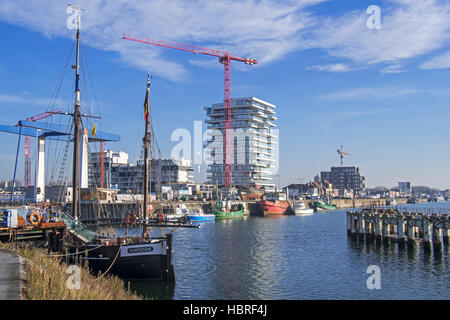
47 279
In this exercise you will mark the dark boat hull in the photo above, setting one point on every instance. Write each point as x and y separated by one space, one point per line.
130 261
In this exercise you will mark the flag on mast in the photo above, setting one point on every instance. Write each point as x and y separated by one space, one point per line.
146 105
94 130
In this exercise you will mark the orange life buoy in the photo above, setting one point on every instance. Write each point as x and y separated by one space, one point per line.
131 219
38 218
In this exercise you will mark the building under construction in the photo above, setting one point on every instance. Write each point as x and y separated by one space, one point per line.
254 143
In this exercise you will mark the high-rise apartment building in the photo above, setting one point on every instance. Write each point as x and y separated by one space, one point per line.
254 143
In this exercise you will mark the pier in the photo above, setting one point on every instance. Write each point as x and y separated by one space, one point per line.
405 227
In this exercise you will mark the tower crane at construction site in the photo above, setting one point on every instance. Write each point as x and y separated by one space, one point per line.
27 176
225 58
341 153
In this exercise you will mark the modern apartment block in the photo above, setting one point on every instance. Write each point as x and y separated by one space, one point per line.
120 174
254 143
345 179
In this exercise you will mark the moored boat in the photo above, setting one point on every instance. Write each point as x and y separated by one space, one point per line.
200 216
300 209
275 207
228 209
320 205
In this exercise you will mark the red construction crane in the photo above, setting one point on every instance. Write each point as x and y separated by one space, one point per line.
27 177
224 58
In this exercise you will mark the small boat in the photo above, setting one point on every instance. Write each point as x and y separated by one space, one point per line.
300 209
200 216
320 205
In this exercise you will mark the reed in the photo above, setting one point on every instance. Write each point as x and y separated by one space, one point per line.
47 280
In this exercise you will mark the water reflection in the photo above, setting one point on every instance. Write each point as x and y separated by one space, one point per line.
296 258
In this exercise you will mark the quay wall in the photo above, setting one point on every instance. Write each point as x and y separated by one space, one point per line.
122 209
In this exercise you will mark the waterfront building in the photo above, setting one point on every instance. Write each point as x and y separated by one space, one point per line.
346 180
405 188
127 177
253 143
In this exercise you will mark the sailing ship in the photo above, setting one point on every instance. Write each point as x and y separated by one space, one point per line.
145 256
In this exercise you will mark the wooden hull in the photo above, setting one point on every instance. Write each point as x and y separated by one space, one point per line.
152 260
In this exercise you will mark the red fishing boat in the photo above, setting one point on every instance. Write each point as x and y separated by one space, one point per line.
276 207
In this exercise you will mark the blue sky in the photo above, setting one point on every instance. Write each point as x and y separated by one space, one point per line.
382 93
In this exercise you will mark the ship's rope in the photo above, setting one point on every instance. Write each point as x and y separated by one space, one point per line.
76 253
109 268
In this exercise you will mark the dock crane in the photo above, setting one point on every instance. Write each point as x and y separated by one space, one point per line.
225 58
41 116
341 153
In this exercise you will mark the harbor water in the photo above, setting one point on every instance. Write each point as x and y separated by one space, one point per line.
294 257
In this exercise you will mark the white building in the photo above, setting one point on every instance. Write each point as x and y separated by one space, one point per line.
118 173
254 143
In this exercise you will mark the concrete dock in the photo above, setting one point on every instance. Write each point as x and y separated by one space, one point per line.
11 275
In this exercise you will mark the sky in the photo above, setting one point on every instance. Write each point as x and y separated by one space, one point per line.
336 76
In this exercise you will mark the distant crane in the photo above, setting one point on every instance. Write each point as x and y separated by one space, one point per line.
224 58
341 153
41 116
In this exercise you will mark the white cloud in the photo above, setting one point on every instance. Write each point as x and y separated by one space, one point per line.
409 29
439 62
337 67
266 30
261 29
370 93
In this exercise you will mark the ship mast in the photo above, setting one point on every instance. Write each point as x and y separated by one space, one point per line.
76 123
146 140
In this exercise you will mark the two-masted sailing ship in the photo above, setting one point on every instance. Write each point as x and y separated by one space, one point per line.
145 256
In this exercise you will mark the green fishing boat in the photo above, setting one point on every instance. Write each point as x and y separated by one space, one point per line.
228 209
320 205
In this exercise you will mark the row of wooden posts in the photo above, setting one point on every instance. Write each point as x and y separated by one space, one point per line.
386 224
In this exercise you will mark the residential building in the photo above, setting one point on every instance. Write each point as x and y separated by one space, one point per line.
254 143
127 177
405 188
345 179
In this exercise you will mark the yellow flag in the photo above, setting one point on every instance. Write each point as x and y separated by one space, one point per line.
94 130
